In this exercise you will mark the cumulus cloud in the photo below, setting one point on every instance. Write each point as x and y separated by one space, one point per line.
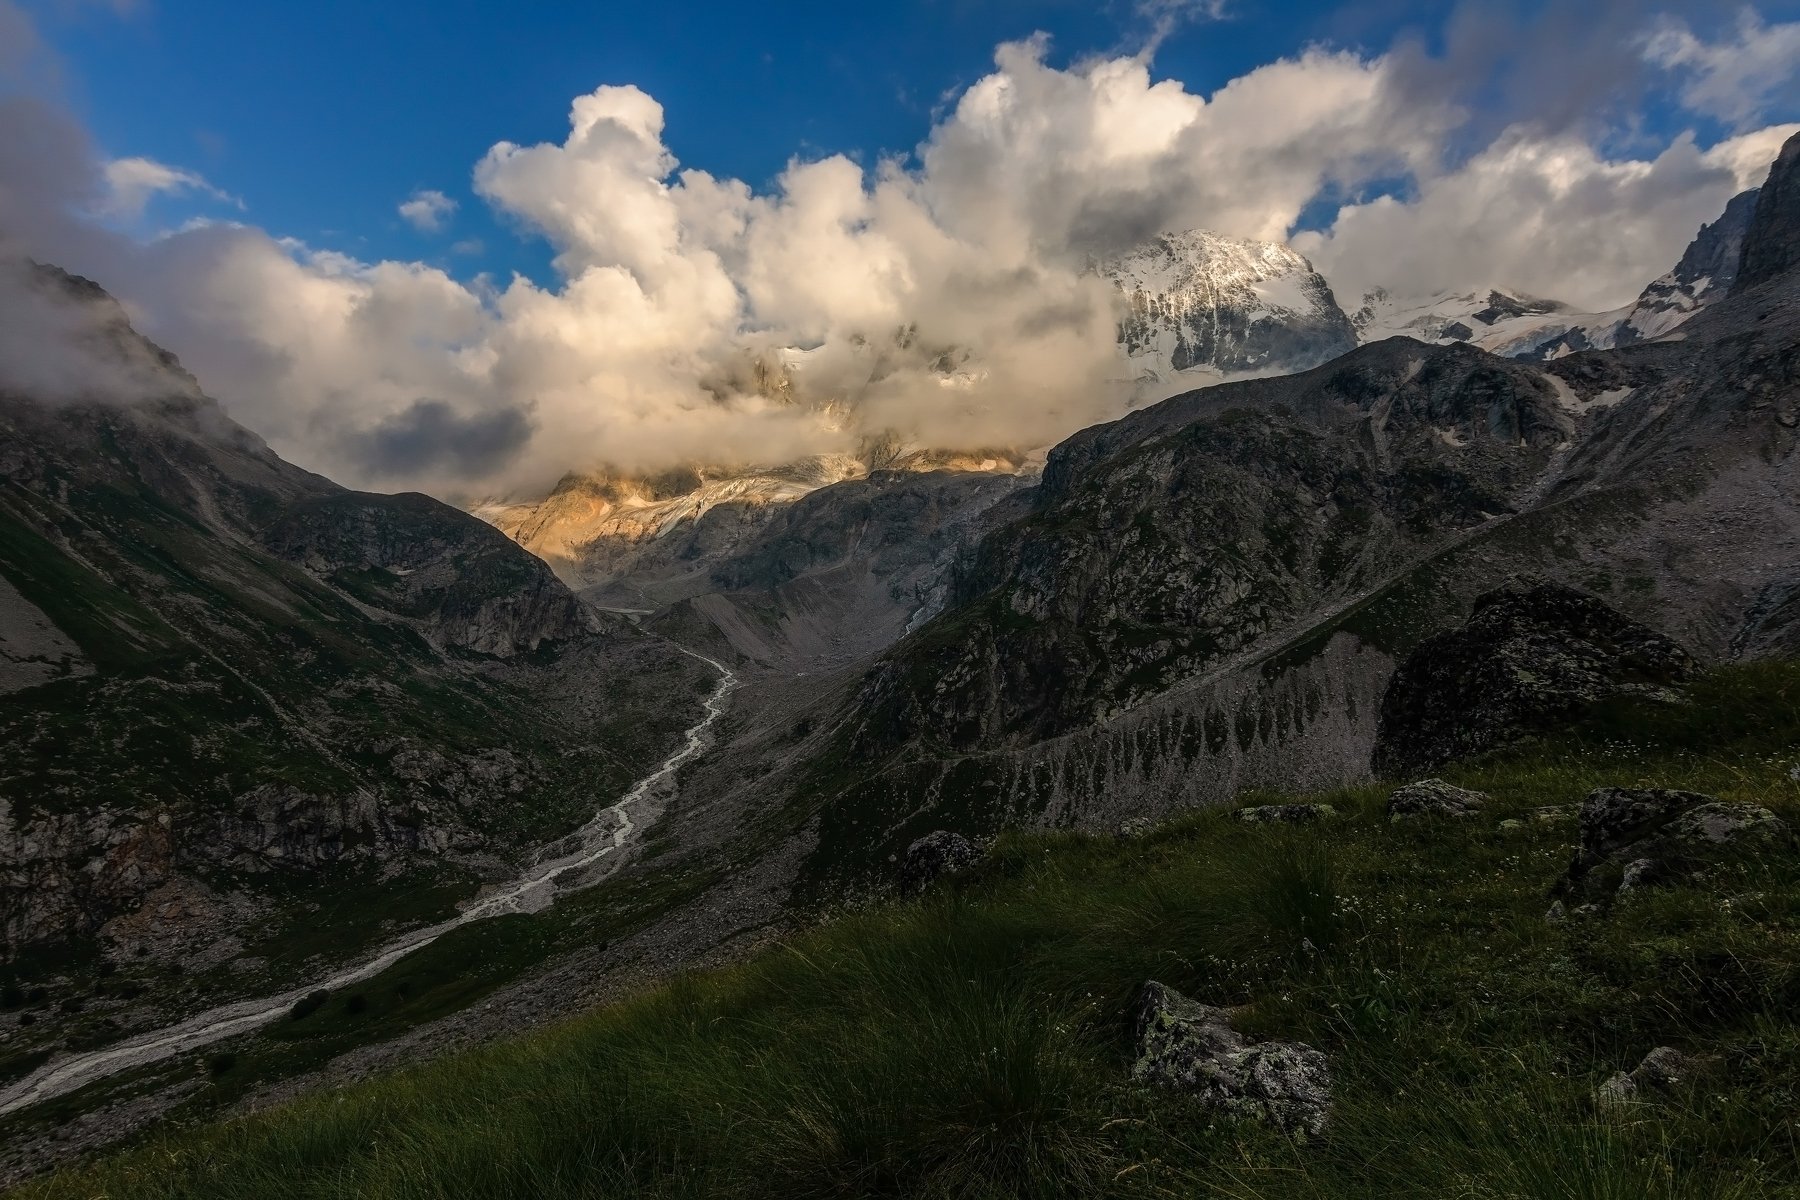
1735 78
426 210
944 298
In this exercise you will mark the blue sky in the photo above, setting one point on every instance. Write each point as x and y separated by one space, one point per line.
323 116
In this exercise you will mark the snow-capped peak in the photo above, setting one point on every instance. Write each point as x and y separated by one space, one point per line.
1199 305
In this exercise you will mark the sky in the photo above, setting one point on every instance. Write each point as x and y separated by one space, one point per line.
465 247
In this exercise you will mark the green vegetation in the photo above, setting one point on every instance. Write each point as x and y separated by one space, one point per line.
975 1044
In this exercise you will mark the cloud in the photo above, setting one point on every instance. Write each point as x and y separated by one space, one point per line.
1550 216
132 182
431 436
1736 78
60 344
426 210
1164 17
943 298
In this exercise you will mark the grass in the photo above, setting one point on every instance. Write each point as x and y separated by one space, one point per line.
974 1044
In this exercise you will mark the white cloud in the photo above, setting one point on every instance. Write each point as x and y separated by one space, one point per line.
1549 216
132 182
944 299
1164 17
426 210
1736 78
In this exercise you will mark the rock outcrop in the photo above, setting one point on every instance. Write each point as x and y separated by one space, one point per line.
1191 1047
1663 1070
1637 837
934 856
1528 660
1433 798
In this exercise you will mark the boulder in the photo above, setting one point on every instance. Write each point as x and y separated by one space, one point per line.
1284 814
1132 828
1638 837
1433 798
936 854
1527 662
1662 1070
1191 1047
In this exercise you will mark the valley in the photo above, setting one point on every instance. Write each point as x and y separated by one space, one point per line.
885 783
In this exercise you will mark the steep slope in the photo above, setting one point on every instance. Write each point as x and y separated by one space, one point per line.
1200 304
256 681
1772 248
1210 594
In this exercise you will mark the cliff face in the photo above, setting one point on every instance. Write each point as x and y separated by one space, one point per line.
1772 248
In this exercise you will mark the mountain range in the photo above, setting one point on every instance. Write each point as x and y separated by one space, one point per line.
259 724
1197 309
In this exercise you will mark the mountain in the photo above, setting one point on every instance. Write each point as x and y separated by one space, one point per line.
1199 306
1209 594
224 678
1706 273
1517 326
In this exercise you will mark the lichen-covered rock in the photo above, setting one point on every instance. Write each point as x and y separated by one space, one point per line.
1132 828
1433 798
1527 661
1662 1070
1637 837
1284 814
933 856
1191 1047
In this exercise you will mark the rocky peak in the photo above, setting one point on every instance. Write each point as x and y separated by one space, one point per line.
1201 301
1772 246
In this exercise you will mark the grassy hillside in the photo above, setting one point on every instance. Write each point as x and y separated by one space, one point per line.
975 1044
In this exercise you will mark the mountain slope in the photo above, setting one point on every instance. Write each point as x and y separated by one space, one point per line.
265 682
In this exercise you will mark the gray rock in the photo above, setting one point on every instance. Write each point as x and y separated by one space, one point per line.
1557 914
1433 798
1636 837
1132 828
1721 824
933 856
1662 1070
1191 1047
1640 872
1284 814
